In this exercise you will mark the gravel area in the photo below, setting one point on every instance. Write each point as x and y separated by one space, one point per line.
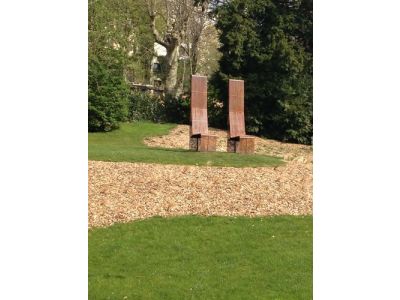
121 192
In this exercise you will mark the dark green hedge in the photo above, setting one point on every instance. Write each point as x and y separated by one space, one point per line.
108 95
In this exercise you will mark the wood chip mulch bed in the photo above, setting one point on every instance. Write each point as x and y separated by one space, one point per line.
122 192
179 138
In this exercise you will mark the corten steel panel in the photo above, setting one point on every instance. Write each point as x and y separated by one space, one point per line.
245 145
203 144
236 108
250 145
207 143
198 106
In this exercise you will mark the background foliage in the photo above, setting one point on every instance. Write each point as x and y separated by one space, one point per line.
120 49
143 106
108 94
268 43
122 25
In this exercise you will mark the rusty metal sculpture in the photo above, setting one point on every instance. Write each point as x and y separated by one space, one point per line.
200 139
238 141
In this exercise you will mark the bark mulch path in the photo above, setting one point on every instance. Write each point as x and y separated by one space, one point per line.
122 192
179 138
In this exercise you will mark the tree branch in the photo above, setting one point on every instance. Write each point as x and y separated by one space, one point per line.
156 34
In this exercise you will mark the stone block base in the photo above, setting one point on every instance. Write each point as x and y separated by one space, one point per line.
203 143
244 144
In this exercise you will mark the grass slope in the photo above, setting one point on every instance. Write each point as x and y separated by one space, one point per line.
202 258
126 144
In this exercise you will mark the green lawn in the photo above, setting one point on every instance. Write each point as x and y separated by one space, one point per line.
202 258
126 144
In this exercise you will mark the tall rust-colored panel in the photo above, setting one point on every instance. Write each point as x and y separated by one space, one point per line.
198 106
236 108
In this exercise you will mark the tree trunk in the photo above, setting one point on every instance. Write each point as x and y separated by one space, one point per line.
180 86
172 69
194 58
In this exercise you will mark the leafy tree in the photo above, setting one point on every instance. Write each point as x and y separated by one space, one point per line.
180 27
108 95
173 17
124 26
120 50
268 43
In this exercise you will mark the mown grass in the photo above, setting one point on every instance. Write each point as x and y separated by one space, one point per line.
202 258
126 144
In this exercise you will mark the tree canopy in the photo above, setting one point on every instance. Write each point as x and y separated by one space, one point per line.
120 50
268 43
